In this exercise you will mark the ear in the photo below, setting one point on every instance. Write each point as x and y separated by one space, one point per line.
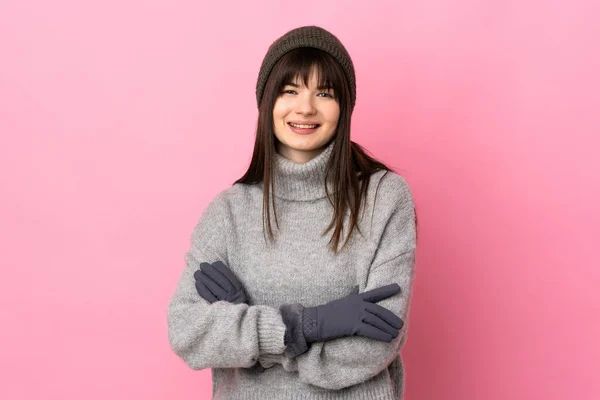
355 289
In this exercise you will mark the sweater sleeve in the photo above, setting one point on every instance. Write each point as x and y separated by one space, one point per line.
221 334
348 361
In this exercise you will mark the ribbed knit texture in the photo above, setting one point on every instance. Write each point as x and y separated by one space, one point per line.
302 182
306 36
245 344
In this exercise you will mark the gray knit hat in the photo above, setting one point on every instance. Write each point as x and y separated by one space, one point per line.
306 36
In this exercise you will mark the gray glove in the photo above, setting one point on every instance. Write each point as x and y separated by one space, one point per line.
355 314
216 282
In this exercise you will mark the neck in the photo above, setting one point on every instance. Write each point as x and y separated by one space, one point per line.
298 156
301 181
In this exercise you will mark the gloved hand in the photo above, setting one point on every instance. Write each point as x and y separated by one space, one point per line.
355 314
216 282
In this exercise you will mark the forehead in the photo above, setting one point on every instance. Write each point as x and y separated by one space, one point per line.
297 80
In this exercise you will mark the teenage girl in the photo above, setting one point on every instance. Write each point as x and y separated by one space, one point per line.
298 279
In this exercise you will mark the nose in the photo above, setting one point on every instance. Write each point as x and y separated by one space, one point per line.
305 105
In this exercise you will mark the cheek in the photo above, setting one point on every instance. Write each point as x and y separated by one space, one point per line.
280 110
333 114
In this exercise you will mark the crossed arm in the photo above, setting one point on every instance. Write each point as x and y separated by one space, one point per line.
227 335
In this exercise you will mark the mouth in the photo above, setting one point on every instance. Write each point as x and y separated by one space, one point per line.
303 129
303 125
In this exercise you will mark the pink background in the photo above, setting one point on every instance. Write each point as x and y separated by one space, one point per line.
120 120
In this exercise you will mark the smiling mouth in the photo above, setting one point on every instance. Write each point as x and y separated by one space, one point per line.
303 126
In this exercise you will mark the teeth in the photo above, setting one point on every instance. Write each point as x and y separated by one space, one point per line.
303 126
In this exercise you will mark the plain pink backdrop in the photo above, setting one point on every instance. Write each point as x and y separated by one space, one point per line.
120 120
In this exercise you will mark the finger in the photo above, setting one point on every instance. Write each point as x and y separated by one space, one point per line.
203 265
380 293
205 293
380 324
224 270
217 277
217 290
370 331
198 272
385 315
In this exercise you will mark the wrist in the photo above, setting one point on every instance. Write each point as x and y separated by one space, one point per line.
310 324
294 340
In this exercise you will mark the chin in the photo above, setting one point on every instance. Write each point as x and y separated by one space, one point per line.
305 146
307 143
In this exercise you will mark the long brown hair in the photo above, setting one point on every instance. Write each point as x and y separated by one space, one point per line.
349 166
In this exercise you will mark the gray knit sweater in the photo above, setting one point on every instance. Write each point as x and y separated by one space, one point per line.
243 344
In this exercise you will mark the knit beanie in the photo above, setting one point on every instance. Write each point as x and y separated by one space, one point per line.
306 36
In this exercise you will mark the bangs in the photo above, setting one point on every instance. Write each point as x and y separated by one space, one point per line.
298 64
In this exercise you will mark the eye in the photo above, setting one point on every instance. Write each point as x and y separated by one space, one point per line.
288 91
326 94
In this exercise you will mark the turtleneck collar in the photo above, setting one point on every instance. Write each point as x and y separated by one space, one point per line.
303 182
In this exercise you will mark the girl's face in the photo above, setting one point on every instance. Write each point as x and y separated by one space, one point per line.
298 106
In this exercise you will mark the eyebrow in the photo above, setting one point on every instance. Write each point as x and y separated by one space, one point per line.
319 88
